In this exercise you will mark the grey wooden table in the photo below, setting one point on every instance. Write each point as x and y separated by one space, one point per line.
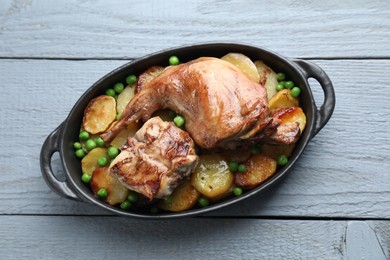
335 203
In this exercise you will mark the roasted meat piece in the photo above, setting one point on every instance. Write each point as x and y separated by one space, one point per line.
156 159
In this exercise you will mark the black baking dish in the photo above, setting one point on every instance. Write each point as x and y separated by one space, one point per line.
62 138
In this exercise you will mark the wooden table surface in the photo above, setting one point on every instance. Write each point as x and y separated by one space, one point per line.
334 204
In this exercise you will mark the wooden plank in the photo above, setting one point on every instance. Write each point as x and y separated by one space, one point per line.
99 29
343 172
103 237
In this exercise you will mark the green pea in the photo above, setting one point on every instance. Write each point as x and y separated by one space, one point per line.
233 166
279 87
282 160
102 193
242 168
125 205
86 178
102 161
237 191
173 60
168 200
289 84
295 91
179 121
99 142
203 202
131 79
84 135
90 144
112 152
118 87
280 76
76 145
110 92
132 197
118 116
80 153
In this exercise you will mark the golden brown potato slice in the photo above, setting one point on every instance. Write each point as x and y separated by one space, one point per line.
117 193
89 162
146 76
99 114
267 78
282 99
129 131
258 169
291 115
124 98
212 176
243 63
274 151
183 197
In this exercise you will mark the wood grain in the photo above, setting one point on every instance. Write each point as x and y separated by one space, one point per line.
105 237
342 173
129 29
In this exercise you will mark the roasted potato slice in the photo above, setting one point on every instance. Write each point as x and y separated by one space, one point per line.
89 162
243 63
129 131
267 78
212 176
99 114
146 76
117 193
124 98
291 115
183 197
258 169
282 99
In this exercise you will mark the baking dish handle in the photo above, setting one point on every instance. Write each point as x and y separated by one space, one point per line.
50 146
323 113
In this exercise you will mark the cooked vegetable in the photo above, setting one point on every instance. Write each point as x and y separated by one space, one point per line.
243 63
102 193
256 149
86 178
283 99
179 121
237 191
76 145
124 98
125 205
131 79
132 197
184 197
121 138
102 161
242 168
112 152
79 153
279 87
90 162
212 176
110 92
274 151
90 144
173 60
280 76
118 87
99 142
259 168
84 135
99 114
268 78
295 91
203 202
282 160
101 179
233 166
291 115
289 84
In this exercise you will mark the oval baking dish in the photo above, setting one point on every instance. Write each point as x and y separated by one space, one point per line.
62 138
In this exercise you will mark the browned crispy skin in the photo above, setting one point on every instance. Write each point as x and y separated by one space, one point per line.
220 104
156 159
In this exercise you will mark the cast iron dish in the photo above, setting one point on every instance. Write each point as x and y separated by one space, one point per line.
62 138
